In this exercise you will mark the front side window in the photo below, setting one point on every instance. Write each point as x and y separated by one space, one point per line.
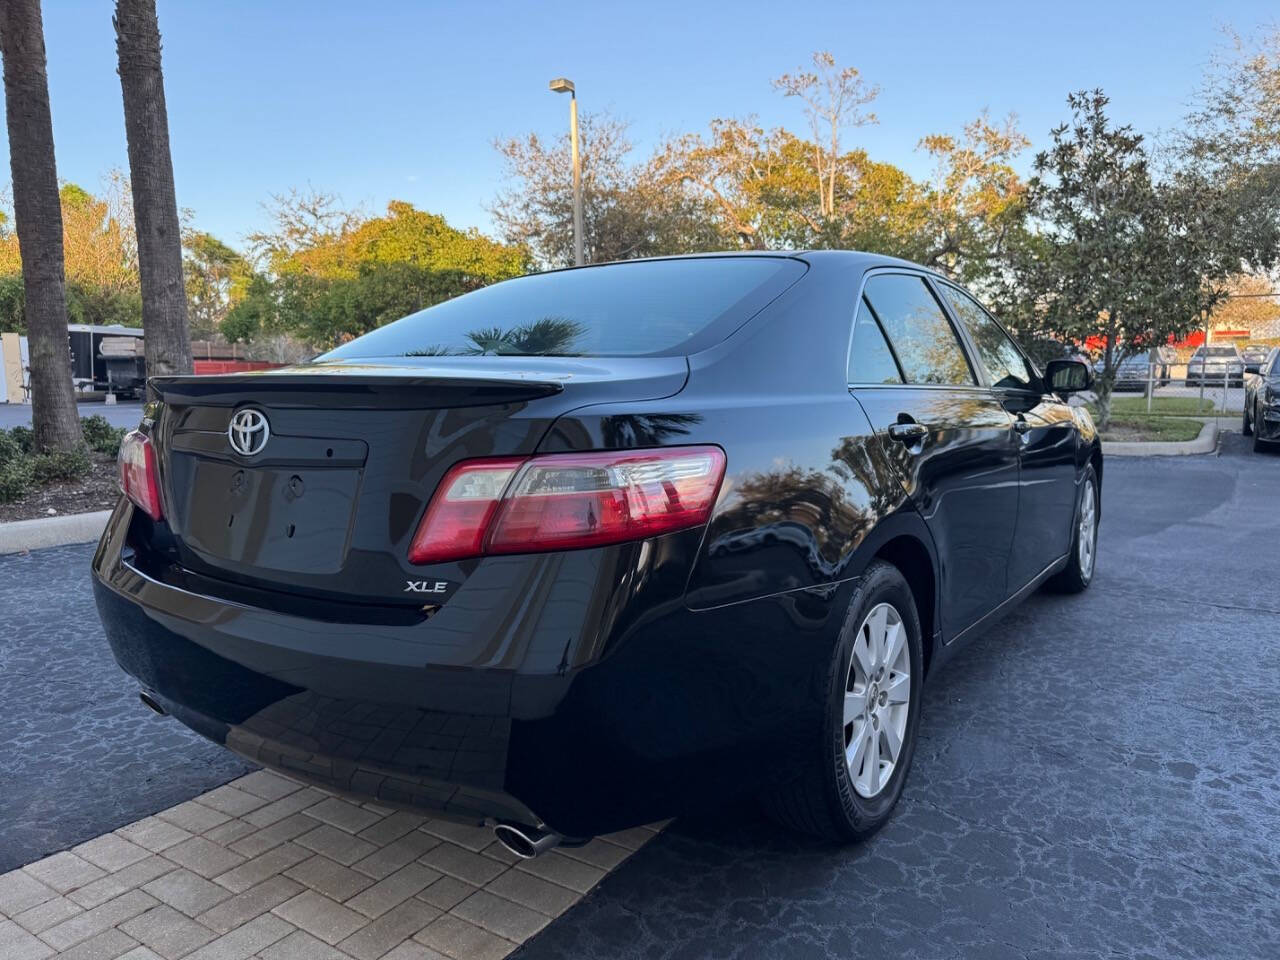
918 330
870 359
996 352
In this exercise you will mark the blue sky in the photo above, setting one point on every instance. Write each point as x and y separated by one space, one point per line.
384 100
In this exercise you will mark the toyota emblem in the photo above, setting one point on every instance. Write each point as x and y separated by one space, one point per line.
248 431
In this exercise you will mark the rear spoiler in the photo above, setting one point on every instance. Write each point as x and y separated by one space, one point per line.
350 389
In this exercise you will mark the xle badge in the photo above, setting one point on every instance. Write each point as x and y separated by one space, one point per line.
426 586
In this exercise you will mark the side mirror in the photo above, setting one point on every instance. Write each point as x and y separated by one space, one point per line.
1068 376
1252 367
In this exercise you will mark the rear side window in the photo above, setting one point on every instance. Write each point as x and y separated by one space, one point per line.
996 352
918 330
642 308
870 360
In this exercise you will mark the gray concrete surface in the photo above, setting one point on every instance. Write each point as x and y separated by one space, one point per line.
1205 442
119 414
79 755
1096 777
19 535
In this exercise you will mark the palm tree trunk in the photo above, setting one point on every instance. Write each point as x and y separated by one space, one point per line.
39 222
155 208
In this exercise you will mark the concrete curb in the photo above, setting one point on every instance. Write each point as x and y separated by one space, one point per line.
1207 442
20 535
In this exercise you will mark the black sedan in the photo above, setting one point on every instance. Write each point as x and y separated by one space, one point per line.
590 548
1262 402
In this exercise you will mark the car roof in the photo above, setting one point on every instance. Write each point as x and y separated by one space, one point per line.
848 259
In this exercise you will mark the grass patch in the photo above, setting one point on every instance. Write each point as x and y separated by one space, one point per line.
1164 407
1145 429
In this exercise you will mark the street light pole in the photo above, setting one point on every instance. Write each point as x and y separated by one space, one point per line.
562 85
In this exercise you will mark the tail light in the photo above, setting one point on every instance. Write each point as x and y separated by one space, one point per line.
567 501
139 478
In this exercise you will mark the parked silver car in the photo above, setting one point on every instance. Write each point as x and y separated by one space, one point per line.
1133 373
1214 364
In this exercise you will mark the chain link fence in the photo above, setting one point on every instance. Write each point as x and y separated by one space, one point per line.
1204 382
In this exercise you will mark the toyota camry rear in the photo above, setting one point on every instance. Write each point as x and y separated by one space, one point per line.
590 548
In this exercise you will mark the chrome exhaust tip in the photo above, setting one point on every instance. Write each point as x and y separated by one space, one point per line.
151 703
524 841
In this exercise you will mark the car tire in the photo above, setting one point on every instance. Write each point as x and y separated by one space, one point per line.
1078 574
1259 445
1246 428
825 798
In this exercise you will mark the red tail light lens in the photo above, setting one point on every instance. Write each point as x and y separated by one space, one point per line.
465 502
567 502
139 478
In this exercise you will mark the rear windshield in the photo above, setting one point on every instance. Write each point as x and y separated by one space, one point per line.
1217 352
643 308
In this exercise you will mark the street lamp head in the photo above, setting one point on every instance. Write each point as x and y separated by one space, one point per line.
562 85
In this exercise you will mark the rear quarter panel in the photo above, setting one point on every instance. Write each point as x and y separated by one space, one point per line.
806 482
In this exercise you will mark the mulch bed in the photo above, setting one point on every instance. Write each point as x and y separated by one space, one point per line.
97 491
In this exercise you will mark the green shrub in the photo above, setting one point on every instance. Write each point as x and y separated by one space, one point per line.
15 479
25 438
10 449
51 467
101 436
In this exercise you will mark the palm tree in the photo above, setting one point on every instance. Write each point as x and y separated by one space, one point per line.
39 223
155 208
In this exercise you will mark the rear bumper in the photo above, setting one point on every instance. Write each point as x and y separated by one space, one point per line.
434 739
657 714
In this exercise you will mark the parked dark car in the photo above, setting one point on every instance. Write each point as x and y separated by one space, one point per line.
590 548
1214 365
1262 402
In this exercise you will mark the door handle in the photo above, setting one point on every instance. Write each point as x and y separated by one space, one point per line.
908 433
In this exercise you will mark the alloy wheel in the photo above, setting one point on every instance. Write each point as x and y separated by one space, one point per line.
1087 535
877 700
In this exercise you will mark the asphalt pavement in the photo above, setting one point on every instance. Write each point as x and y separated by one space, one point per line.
118 414
1096 776
79 755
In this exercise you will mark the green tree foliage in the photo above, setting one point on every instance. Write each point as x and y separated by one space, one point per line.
1232 148
217 278
100 249
1116 256
740 186
627 210
12 304
974 207
333 275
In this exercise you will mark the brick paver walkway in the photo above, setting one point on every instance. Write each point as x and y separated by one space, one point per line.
265 867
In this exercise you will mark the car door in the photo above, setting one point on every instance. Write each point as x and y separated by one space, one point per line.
1048 440
949 436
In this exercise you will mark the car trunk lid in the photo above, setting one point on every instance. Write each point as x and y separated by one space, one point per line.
350 454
